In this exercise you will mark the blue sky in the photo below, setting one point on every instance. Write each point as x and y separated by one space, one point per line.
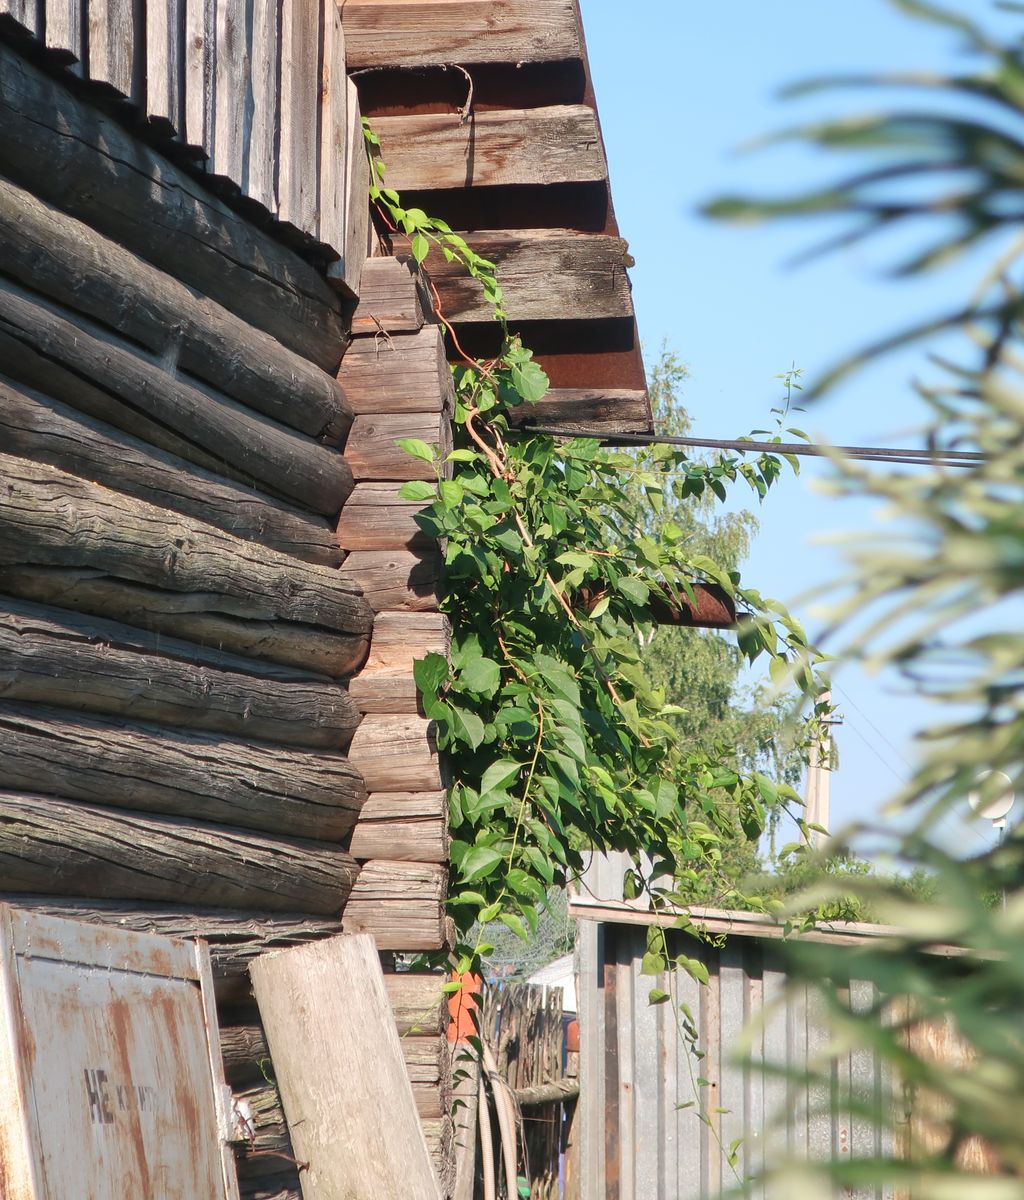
681 85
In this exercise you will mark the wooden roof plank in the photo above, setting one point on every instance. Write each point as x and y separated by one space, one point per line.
407 33
560 143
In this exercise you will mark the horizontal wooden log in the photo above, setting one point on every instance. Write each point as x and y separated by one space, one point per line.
608 411
386 683
375 517
396 754
400 904
35 426
397 374
391 298
409 826
419 33
558 1091
546 275
556 144
50 656
67 261
396 579
154 769
193 616
85 163
418 1002
51 518
431 1105
372 451
84 849
280 459
246 1055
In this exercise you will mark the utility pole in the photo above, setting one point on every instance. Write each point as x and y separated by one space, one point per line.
819 771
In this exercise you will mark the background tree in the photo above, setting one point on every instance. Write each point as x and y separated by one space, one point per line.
945 592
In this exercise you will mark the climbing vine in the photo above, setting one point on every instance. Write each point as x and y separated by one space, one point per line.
555 738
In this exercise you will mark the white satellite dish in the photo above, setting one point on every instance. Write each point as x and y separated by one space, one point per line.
992 796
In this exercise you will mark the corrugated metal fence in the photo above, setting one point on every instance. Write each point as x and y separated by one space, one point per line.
641 1090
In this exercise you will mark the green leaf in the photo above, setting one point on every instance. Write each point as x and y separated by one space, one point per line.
420 247
657 996
480 861
417 448
467 726
417 489
653 963
499 775
511 921
481 675
530 382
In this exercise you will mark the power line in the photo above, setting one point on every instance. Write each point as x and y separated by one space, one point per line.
888 454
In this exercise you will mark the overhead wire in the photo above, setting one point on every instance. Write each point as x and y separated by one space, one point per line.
905 455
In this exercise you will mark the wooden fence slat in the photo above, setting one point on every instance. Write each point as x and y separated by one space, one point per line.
417 33
325 1010
165 63
113 42
260 182
300 116
231 69
334 131
200 39
64 28
556 144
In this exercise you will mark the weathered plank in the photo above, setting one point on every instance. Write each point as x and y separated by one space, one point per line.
401 904
51 518
407 826
372 451
34 426
546 275
391 299
64 29
165 64
397 375
115 855
113 40
260 181
195 616
332 164
200 39
375 517
231 65
50 656
283 460
607 411
324 1008
419 33
358 227
155 769
396 754
556 144
63 259
297 172
396 579
85 163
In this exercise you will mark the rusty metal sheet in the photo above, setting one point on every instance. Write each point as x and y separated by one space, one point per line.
105 1049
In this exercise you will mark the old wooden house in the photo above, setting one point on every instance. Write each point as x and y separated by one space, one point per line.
211 594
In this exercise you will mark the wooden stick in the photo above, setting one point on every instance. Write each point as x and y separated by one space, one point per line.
280 459
45 841
60 658
154 769
52 518
71 155
65 260
34 426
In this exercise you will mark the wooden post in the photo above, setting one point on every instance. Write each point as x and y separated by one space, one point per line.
339 1066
